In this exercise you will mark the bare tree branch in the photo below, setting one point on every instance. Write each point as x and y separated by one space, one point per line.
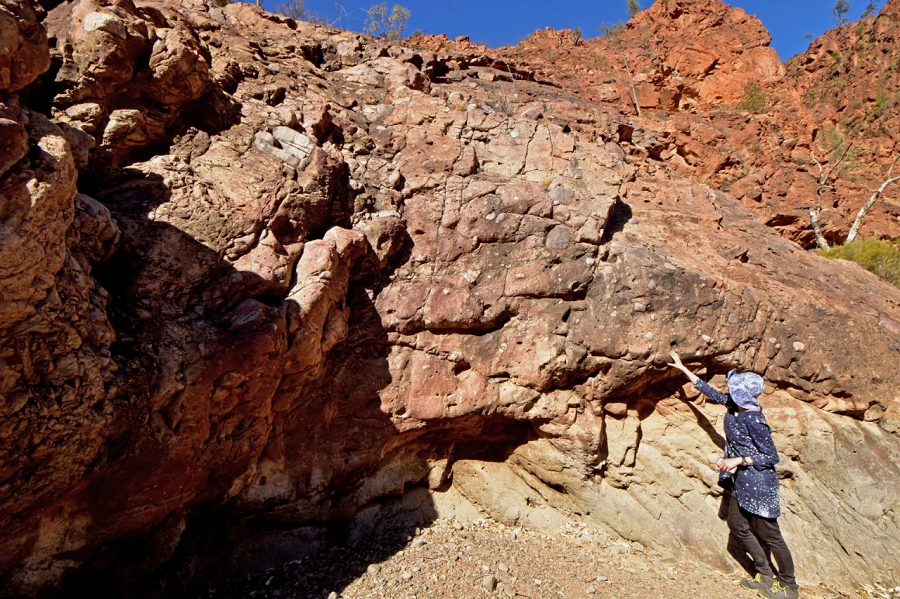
857 223
637 106
816 211
817 228
814 217
838 163
823 180
818 164
893 164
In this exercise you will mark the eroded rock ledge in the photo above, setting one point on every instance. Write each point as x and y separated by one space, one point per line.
303 271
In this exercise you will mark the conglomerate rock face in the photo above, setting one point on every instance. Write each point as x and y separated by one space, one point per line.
304 271
686 65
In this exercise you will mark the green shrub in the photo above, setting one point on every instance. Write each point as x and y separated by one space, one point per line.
294 9
611 31
754 98
633 8
871 9
579 34
883 103
879 257
387 23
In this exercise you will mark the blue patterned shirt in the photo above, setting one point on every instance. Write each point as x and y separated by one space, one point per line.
748 434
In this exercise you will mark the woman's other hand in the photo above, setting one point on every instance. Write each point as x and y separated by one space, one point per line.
729 465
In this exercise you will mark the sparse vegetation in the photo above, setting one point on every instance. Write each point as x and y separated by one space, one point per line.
827 179
294 9
753 99
609 30
839 12
502 102
879 257
389 24
633 8
836 147
871 9
221 3
579 34
883 103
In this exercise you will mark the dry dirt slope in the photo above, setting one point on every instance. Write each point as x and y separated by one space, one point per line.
448 560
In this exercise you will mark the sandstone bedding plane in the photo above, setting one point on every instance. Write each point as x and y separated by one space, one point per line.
289 274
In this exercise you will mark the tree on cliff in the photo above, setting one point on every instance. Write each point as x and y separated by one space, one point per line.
633 8
387 24
828 179
839 12
293 9
857 223
871 9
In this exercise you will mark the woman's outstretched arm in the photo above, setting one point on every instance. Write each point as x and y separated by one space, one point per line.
713 394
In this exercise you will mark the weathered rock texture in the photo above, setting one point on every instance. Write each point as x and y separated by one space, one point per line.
689 62
305 271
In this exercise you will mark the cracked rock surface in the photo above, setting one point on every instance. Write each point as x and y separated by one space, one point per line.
267 273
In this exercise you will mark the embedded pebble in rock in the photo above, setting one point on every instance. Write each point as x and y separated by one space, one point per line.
559 238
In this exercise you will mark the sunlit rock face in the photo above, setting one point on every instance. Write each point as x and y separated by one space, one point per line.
254 266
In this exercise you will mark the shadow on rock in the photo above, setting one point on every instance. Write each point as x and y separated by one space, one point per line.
228 390
621 214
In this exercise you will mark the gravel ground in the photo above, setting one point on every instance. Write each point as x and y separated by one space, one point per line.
485 558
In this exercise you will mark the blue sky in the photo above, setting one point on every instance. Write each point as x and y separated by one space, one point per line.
497 22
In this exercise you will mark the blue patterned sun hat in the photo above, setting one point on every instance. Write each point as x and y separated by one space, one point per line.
745 387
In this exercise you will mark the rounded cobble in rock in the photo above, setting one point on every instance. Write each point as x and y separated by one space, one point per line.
559 238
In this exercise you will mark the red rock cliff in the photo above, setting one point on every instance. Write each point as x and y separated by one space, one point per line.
261 267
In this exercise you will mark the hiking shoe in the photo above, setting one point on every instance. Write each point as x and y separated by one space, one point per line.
777 591
760 581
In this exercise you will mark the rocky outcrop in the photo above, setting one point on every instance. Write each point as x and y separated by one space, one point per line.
56 363
23 45
380 271
686 66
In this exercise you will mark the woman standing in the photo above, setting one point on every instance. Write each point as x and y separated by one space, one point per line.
748 471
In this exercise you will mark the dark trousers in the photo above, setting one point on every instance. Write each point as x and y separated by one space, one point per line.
761 538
